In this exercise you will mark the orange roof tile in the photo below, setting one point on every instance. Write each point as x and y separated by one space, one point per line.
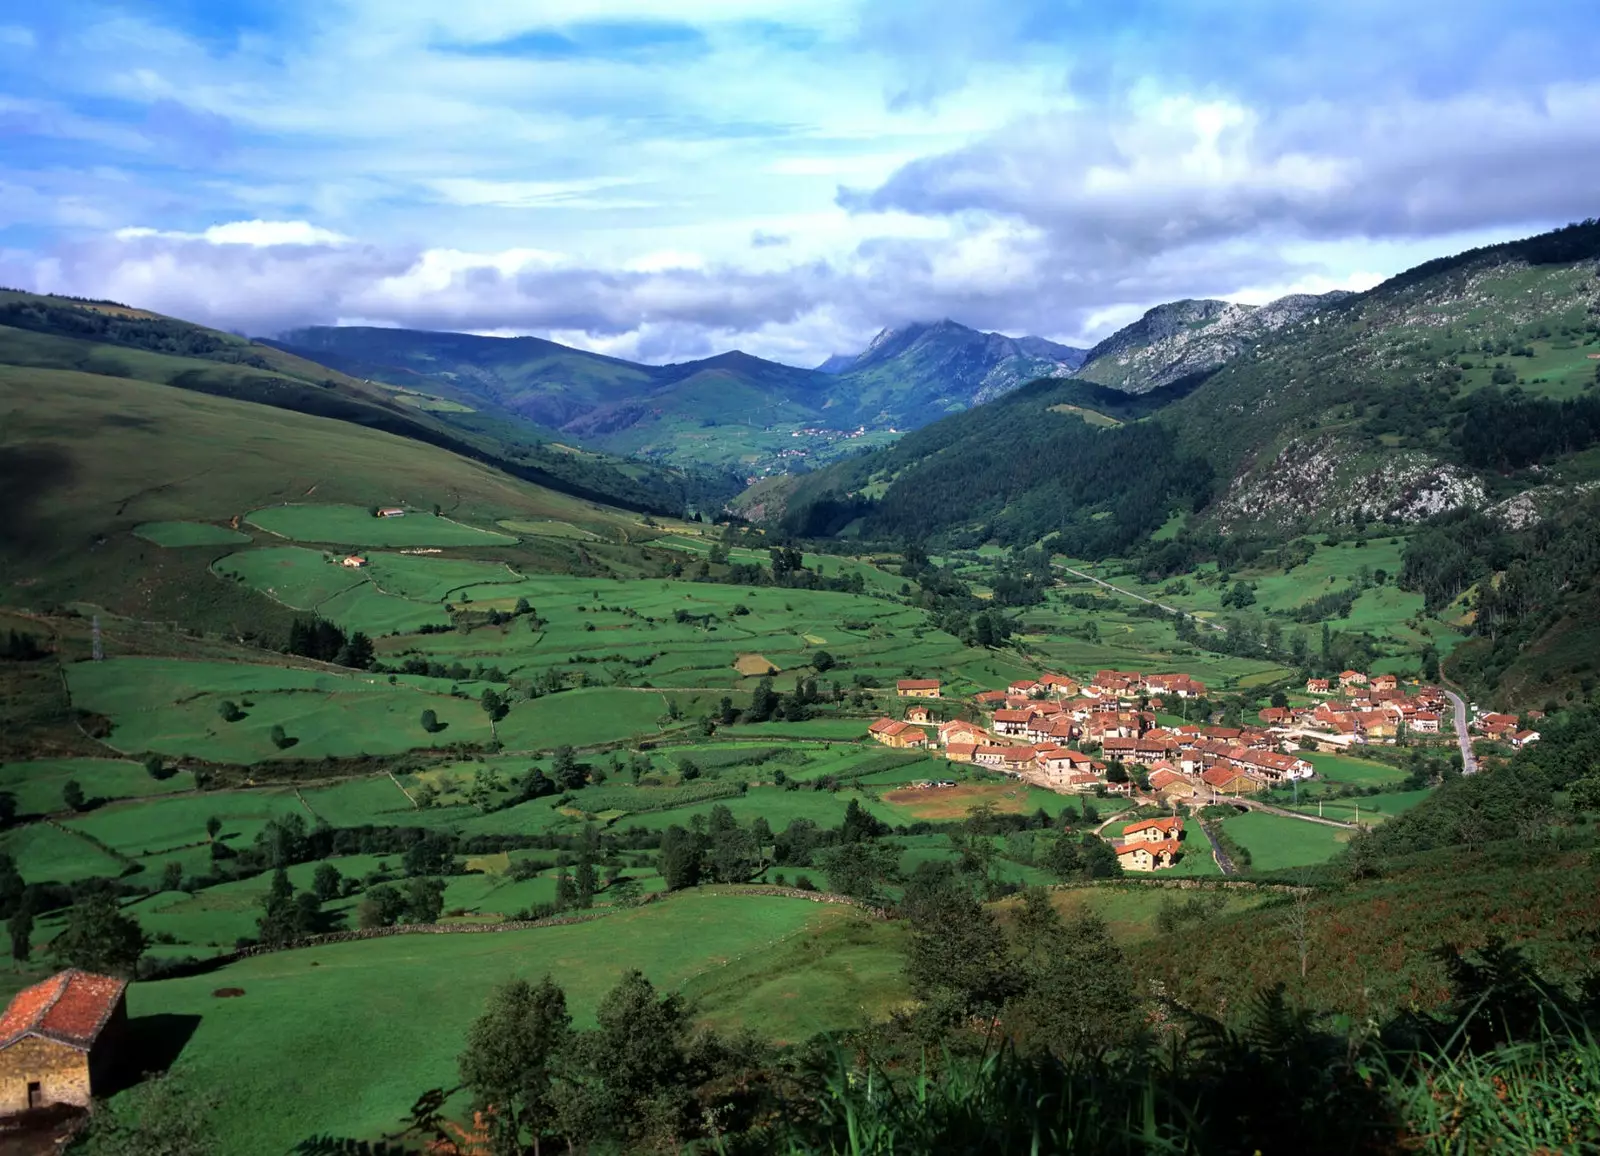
70 1007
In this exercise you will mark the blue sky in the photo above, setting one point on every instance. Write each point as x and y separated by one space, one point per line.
664 181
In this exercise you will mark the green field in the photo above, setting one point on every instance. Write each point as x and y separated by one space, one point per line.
175 534
1276 843
353 526
38 783
315 1030
1339 768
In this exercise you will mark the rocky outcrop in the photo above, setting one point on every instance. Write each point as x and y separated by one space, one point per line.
1327 481
1184 338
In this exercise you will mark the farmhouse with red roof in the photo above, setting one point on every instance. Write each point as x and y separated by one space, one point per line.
58 1039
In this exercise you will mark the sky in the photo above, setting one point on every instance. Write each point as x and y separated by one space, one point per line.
664 181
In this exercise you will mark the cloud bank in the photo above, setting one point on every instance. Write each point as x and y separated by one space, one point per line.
780 177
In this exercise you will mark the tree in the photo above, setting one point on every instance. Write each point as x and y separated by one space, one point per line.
13 889
434 854
566 769
172 876
326 882
493 705
424 900
510 1061
763 701
430 722
8 809
565 893
155 766
1069 999
634 1061
280 738
213 828
99 937
681 857
956 959
228 710
279 922
72 795
21 929
861 869
382 906
822 662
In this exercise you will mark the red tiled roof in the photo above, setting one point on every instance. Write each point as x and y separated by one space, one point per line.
917 684
1019 716
1159 824
71 1007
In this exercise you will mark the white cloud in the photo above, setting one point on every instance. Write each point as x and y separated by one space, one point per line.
256 234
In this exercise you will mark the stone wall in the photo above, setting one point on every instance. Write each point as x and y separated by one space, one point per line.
62 1073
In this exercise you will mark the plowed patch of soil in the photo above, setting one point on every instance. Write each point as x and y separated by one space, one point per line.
748 664
955 802
228 992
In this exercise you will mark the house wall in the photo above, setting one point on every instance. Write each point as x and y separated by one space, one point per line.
62 1073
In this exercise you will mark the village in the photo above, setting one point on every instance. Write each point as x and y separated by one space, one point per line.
1102 736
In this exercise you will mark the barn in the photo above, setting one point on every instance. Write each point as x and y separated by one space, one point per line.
58 1040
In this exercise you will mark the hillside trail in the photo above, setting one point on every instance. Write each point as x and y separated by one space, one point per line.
1146 601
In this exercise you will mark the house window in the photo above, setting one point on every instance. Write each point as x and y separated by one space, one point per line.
35 1094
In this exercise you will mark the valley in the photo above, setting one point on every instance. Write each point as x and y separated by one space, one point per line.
323 717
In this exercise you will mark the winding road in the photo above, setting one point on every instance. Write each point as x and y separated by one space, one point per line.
1469 761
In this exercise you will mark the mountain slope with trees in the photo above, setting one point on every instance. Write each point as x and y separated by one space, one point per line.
699 412
1463 381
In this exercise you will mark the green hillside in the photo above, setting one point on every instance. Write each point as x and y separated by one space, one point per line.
732 412
40 332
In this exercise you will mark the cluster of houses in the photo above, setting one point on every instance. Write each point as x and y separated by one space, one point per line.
1507 728
1035 727
1357 708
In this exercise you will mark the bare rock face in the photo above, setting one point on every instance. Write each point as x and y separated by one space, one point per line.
1184 338
1326 480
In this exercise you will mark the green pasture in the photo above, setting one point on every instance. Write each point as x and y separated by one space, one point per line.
313 1029
1276 843
1341 768
178 534
156 826
358 802
171 706
1130 912
47 853
354 526
1365 809
38 783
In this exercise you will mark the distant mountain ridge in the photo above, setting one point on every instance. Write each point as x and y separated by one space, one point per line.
1193 336
731 411
946 365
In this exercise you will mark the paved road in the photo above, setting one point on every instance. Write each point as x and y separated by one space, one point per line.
1142 598
1283 813
1469 761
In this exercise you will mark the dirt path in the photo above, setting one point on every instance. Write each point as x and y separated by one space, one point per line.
1146 601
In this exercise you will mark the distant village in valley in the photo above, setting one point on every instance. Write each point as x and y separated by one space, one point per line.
1116 733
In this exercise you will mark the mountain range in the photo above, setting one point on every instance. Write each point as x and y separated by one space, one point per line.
732 411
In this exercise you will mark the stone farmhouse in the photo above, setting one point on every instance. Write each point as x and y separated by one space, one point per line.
59 1040
917 688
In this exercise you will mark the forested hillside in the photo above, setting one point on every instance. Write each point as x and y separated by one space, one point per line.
1445 387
